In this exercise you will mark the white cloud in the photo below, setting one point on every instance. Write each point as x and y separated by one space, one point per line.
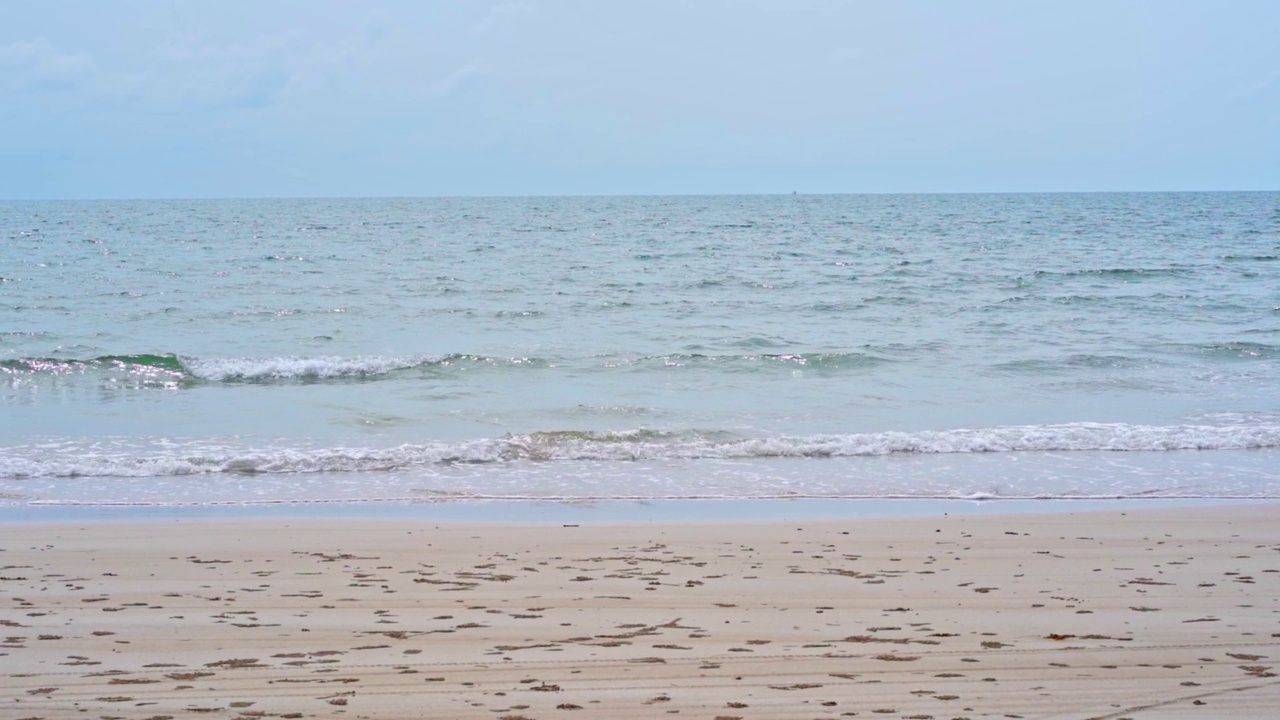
185 71
37 66
190 70
505 14
459 80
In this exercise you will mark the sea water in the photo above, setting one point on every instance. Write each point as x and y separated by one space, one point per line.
953 346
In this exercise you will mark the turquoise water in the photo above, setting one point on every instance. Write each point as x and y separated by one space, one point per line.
1092 345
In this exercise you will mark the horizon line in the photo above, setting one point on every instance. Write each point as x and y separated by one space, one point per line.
794 193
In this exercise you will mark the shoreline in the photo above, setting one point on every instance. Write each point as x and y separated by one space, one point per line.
1139 612
534 512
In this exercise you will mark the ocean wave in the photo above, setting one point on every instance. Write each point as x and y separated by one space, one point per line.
1251 258
309 369
337 368
1234 350
817 360
197 458
144 363
1039 366
259 370
1123 274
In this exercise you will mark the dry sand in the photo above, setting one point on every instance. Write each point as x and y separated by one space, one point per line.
1143 614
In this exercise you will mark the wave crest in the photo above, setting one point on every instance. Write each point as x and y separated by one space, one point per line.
260 370
145 363
816 360
173 458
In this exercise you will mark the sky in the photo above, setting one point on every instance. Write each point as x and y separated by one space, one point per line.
316 98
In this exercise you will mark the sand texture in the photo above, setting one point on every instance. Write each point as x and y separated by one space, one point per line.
1166 613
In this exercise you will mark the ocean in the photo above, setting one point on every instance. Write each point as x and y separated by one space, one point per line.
192 352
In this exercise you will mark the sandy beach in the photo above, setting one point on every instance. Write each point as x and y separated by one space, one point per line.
1151 613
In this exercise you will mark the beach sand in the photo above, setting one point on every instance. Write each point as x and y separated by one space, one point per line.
1151 613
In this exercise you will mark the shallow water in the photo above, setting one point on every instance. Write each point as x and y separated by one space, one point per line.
1093 345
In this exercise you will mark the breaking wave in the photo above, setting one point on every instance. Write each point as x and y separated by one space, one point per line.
122 459
144 363
302 369
816 360
259 370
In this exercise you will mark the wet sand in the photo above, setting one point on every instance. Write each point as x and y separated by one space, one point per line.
1150 613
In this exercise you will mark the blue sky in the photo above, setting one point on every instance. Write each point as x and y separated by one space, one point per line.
313 98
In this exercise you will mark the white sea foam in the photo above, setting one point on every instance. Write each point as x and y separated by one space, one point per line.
328 367
198 457
288 368
767 318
